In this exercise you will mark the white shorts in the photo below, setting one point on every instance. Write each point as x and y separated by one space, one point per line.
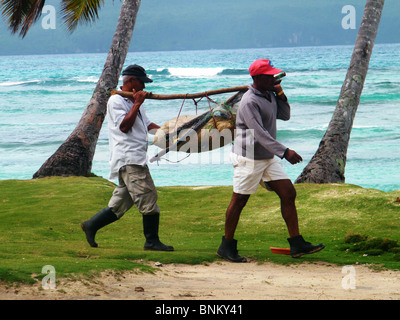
249 173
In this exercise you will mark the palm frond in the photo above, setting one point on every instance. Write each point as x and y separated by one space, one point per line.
14 11
80 11
20 14
32 16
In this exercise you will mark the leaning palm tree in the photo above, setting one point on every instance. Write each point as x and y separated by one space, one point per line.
328 163
74 157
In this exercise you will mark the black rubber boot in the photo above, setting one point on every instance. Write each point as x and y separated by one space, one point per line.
228 250
99 220
150 230
299 247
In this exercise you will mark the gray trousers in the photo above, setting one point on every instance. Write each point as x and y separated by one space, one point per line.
135 187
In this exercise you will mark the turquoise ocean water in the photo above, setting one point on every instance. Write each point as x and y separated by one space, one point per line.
42 99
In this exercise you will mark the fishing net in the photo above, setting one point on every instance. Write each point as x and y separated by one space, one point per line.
194 134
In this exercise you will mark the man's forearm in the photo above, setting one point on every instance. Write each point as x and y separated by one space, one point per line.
130 118
282 96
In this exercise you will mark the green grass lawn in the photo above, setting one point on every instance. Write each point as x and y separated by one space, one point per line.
40 225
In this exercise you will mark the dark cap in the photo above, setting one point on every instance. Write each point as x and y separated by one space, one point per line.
138 72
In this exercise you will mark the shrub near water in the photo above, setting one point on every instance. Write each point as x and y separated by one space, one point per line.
371 246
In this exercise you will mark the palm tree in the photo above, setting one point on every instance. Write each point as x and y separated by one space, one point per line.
22 14
74 157
328 163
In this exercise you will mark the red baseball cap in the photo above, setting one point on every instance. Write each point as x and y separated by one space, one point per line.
263 66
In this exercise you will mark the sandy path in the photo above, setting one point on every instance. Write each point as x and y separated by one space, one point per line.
223 281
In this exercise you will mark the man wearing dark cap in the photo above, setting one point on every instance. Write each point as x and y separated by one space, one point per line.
128 127
260 107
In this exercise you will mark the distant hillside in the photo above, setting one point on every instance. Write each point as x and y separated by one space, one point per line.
208 24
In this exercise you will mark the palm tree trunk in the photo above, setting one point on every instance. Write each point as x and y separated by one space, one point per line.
74 157
328 163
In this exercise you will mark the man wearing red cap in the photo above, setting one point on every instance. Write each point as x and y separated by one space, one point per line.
254 159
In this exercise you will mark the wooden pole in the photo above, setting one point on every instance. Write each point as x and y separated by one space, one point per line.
128 94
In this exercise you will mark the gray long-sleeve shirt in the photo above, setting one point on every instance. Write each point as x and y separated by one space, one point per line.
258 114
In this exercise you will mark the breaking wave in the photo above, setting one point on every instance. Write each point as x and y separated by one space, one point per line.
197 72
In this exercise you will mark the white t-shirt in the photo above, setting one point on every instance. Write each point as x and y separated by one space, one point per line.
130 147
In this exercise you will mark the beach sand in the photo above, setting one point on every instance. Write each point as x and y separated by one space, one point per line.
223 281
